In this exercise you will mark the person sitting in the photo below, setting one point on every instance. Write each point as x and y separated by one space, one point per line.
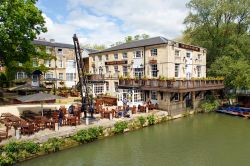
71 109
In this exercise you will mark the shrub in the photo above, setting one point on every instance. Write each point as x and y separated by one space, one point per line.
142 120
151 119
89 135
164 119
53 144
120 127
210 104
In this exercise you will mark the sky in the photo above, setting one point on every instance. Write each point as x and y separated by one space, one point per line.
109 21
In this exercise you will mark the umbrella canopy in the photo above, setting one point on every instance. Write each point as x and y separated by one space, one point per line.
38 97
26 87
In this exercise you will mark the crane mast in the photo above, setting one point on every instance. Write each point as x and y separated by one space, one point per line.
83 79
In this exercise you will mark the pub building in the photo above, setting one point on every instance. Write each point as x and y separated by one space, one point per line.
156 69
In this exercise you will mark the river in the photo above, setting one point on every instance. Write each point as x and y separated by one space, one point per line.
200 140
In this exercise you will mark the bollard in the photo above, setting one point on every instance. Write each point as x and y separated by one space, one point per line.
146 109
87 121
18 135
110 116
56 126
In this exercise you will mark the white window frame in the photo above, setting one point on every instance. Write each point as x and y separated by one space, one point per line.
70 76
153 52
100 58
153 95
177 70
107 69
98 88
107 57
60 76
116 69
125 70
177 53
154 70
116 56
71 64
188 54
198 71
48 75
20 75
138 54
124 55
60 63
48 63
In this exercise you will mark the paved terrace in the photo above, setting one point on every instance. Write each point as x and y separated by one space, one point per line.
66 131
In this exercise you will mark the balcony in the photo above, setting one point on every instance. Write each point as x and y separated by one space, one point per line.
173 86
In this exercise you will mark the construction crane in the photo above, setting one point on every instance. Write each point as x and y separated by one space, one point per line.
83 80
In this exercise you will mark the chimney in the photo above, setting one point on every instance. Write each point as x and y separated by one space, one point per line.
52 40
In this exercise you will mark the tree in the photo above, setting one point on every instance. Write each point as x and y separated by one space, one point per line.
235 71
131 38
20 23
221 26
95 46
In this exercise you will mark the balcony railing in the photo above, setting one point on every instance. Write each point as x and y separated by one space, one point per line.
173 85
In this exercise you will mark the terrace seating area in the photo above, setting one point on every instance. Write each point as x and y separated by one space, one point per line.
31 122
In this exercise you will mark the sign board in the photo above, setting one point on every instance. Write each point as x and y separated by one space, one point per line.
189 47
116 62
153 61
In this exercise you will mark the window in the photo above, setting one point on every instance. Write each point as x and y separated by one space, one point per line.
177 53
20 64
137 54
124 55
188 54
125 70
199 56
61 76
153 95
106 57
153 52
107 69
116 69
59 51
198 71
116 86
71 64
70 76
48 75
107 86
100 58
48 63
93 59
154 71
176 70
94 70
115 56
138 72
100 70
20 75
137 96
60 63
161 93
98 88
177 97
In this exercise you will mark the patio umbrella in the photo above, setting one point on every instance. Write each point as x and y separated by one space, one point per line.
42 97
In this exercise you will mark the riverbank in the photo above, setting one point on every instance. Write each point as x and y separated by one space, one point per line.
46 142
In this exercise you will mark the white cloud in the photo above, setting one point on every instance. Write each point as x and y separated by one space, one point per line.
108 21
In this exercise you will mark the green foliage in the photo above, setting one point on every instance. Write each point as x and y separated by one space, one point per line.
53 144
14 151
142 120
151 119
20 23
235 71
210 104
131 38
220 26
89 135
120 127
95 46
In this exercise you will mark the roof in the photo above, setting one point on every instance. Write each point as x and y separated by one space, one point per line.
135 44
53 44
60 45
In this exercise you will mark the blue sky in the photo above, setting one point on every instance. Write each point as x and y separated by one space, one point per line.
108 21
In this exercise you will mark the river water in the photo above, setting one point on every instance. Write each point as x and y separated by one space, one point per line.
200 140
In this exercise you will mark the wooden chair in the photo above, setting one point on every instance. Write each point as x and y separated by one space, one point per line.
133 109
3 135
73 121
30 129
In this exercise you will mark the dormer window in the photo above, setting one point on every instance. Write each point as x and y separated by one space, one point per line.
59 51
124 55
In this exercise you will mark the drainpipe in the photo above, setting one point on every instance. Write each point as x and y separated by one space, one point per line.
144 66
